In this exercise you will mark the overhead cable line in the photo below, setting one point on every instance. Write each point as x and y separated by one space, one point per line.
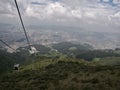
23 25
7 45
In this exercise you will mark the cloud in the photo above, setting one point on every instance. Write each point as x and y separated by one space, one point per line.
65 8
86 12
116 15
42 12
6 7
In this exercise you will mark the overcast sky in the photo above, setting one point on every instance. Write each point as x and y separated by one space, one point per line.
88 14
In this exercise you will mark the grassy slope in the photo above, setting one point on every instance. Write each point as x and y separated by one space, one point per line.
62 75
110 61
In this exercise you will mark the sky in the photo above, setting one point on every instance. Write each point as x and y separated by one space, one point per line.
100 15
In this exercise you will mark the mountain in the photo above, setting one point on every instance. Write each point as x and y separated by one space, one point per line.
55 52
62 75
57 69
21 56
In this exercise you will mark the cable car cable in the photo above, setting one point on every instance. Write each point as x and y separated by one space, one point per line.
23 24
7 45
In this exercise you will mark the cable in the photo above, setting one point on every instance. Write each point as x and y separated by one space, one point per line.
23 24
7 45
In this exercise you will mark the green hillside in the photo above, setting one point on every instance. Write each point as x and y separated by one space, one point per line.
22 56
6 61
72 67
62 75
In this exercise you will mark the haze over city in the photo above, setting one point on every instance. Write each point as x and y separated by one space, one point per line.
96 22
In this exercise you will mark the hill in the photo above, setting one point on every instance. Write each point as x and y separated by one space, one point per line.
72 67
7 61
62 75
57 51
21 56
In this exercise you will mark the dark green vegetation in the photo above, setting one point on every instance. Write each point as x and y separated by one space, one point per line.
84 51
22 56
63 75
7 61
90 55
64 66
69 48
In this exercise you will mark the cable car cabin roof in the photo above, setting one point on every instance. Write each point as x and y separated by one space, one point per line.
16 65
